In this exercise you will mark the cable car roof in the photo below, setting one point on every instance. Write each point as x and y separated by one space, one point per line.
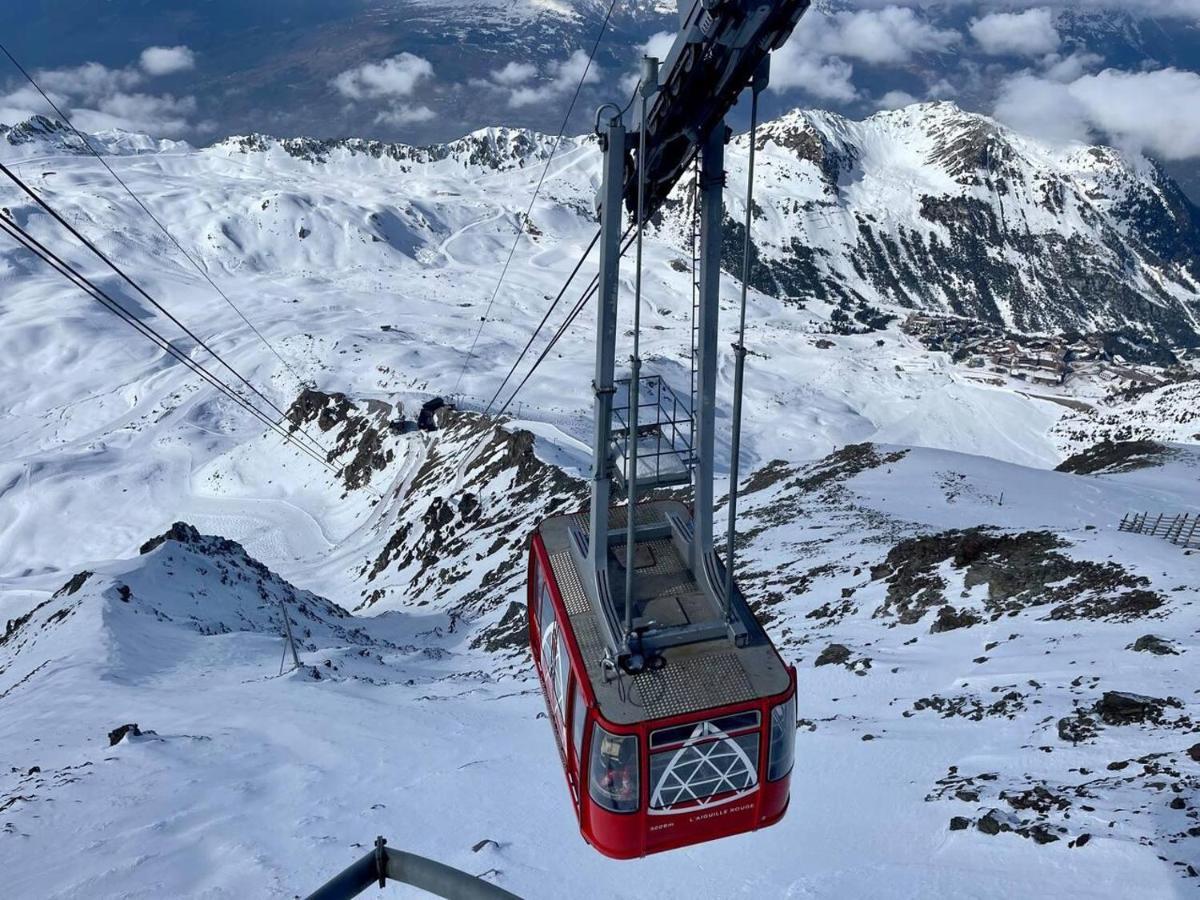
697 676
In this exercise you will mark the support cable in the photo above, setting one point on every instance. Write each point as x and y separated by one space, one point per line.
106 300
541 324
137 287
136 199
588 293
739 349
536 191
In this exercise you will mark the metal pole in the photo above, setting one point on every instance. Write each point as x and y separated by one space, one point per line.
739 349
429 875
612 190
712 187
648 89
287 629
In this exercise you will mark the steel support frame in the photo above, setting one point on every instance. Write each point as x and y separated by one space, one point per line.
594 564
712 190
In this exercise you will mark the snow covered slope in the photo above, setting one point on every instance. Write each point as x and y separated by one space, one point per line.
968 606
984 710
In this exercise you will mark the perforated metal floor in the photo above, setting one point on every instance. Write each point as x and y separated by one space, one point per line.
696 676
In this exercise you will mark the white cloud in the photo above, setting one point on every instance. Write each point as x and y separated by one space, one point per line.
1028 33
658 46
892 35
1137 111
152 114
561 78
397 76
167 60
896 100
815 59
1176 9
514 73
405 115
392 82
826 79
89 81
1042 107
99 98
1068 68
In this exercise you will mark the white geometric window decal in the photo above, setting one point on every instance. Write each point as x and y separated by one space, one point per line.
709 764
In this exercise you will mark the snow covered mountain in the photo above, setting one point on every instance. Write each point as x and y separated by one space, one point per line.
995 690
934 209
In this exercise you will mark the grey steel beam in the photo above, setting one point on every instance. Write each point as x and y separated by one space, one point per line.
613 140
383 863
712 188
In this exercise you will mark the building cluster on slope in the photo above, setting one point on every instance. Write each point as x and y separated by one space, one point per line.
1049 360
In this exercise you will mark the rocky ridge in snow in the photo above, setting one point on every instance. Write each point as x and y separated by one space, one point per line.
927 208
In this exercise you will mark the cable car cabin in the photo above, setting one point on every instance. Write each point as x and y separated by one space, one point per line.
698 744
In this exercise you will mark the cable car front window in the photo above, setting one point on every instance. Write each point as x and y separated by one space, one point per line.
613 771
711 764
783 739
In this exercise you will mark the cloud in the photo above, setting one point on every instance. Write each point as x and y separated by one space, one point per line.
397 76
1028 33
151 114
514 73
405 115
896 100
560 78
1173 9
392 82
99 98
658 46
1138 111
167 60
892 35
816 58
1068 68
89 81
824 79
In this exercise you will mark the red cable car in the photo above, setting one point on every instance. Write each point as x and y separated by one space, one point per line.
674 713
696 746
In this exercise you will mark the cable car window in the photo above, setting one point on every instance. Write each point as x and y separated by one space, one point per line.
725 724
704 769
783 739
562 667
545 607
613 770
579 712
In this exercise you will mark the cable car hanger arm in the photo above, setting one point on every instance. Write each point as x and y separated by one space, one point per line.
719 47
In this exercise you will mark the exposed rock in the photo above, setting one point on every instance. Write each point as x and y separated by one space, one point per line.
1019 571
1115 456
1149 643
834 654
1121 708
510 633
119 733
78 580
950 619
180 532
991 823
959 823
